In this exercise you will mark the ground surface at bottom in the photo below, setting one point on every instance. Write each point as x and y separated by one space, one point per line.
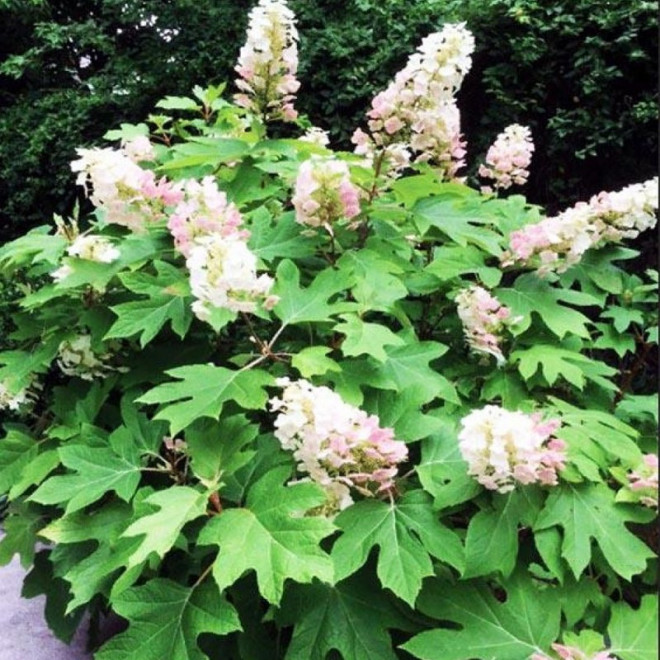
24 634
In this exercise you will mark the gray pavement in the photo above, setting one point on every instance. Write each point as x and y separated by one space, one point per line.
24 634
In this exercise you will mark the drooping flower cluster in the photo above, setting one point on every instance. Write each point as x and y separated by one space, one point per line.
90 247
508 158
223 274
644 481
268 62
572 653
76 358
317 136
503 447
324 193
203 210
416 117
10 399
484 318
557 243
129 195
339 446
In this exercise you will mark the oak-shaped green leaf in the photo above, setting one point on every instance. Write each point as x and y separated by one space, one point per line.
280 238
176 506
351 617
586 511
169 300
634 633
270 536
314 361
527 623
408 367
20 526
17 450
442 470
450 261
532 295
165 619
556 361
298 305
406 532
376 277
202 390
460 219
365 338
98 470
491 543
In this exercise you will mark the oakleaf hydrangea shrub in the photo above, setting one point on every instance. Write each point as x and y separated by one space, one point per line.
276 400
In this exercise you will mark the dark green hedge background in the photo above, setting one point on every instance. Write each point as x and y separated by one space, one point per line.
581 73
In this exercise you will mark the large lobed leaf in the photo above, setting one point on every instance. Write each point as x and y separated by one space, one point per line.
271 536
202 390
166 619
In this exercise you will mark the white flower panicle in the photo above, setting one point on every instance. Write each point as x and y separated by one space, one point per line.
268 62
416 117
223 274
565 652
508 158
644 481
11 399
484 319
93 248
337 445
324 193
316 135
203 210
76 358
502 447
557 243
130 195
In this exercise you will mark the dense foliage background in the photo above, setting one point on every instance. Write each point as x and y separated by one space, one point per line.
580 73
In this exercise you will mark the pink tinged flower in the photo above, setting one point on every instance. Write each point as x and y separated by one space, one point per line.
268 62
203 210
416 115
509 157
644 481
557 243
324 193
336 445
484 319
223 274
503 448
129 195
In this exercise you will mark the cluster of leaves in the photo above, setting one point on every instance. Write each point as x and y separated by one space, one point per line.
581 74
203 547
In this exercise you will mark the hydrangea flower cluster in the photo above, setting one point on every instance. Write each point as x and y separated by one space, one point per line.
316 135
572 653
324 193
508 158
90 247
129 195
76 358
559 242
268 62
644 481
416 117
10 400
484 318
223 273
203 210
503 447
339 446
